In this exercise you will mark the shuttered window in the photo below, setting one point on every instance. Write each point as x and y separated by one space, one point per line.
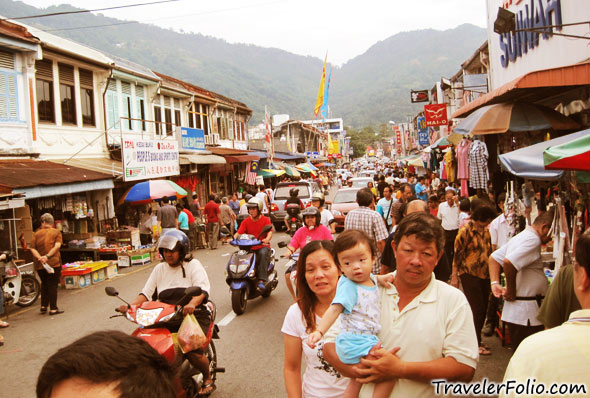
87 97
140 106
67 95
112 104
6 60
127 110
8 97
44 91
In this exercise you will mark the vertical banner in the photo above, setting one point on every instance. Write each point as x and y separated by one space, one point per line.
398 139
423 136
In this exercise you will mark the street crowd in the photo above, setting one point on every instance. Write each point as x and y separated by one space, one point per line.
398 299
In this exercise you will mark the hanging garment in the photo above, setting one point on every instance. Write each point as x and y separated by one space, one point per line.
449 166
463 159
464 189
478 165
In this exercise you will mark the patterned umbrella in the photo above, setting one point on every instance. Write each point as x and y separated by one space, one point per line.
147 191
515 117
571 155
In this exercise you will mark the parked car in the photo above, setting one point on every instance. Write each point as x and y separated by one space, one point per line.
344 201
361 182
281 194
367 173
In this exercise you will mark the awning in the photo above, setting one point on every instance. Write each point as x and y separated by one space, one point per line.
260 154
268 173
533 87
528 162
240 158
41 178
202 159
43 191
288 156
100 165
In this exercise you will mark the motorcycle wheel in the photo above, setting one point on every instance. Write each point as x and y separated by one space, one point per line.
238 301
212 356
30 290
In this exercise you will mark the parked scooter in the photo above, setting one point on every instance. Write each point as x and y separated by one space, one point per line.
18 282
295 222
241 272
155 320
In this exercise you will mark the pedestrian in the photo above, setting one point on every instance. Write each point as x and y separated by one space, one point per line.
465 208
227 218
262 195
384 207
45 249
316 287
195 207
373 189
212 213
167 217
107 364
559 355
448 213
234 204
433 204
3 324
183 221
369 221
145 226
473 247
521 260
414 304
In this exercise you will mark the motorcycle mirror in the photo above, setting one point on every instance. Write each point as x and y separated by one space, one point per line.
283 244
111 291
265 229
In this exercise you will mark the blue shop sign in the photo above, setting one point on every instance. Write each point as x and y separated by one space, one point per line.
423 136
192 138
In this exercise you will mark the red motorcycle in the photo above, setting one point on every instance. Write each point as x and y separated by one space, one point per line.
155 319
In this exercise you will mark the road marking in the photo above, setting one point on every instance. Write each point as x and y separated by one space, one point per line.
227 319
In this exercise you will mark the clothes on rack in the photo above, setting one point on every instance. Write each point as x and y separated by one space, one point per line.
462 151
478 165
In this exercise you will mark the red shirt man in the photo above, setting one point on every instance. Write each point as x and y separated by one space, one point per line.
191 218
249 226
212 212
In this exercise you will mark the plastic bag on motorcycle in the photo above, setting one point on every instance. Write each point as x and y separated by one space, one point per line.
190 335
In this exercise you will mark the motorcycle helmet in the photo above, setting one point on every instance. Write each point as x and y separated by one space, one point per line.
293 192
254 203
175 240
248 197
319 196
312 211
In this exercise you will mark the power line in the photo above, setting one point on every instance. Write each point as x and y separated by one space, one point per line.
163 18
53 14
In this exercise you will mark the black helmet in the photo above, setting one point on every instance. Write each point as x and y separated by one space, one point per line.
312 211
175 240
293 192
318 196
247 197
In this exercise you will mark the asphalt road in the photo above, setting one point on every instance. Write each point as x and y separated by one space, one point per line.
250 348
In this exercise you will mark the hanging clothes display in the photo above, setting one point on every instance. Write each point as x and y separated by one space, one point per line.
478 165
462 151
449 166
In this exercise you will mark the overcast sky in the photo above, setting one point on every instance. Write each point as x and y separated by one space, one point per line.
343 28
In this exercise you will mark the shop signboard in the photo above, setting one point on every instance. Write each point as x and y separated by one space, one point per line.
146 159
423 137
193 139
398 140
515 54
418 96
436 115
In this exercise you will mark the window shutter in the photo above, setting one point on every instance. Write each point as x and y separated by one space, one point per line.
86 80
113 85
12 98
126 88
176 103
112 110
167 101
139 92
6 60
66 74
44 69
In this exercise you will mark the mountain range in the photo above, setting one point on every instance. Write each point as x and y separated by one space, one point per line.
370 89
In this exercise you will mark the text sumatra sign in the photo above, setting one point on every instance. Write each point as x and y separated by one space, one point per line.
145 159
436 115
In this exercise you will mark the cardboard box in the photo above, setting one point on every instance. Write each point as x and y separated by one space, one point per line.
111 271
123 261
140 259
77 281
99 275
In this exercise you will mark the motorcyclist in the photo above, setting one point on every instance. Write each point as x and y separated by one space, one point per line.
327 218
292 199
312 230
253 226
168 281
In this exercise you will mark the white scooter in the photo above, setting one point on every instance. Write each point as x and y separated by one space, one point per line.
19 284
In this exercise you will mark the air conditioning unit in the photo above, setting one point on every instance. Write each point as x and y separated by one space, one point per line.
194 168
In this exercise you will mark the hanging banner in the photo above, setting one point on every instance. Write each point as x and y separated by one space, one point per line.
436 115
423 136
398 140
334 147
146 159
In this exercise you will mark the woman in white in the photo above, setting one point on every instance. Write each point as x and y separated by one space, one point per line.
315 292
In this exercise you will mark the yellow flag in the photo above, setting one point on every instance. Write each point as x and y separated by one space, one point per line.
320 99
